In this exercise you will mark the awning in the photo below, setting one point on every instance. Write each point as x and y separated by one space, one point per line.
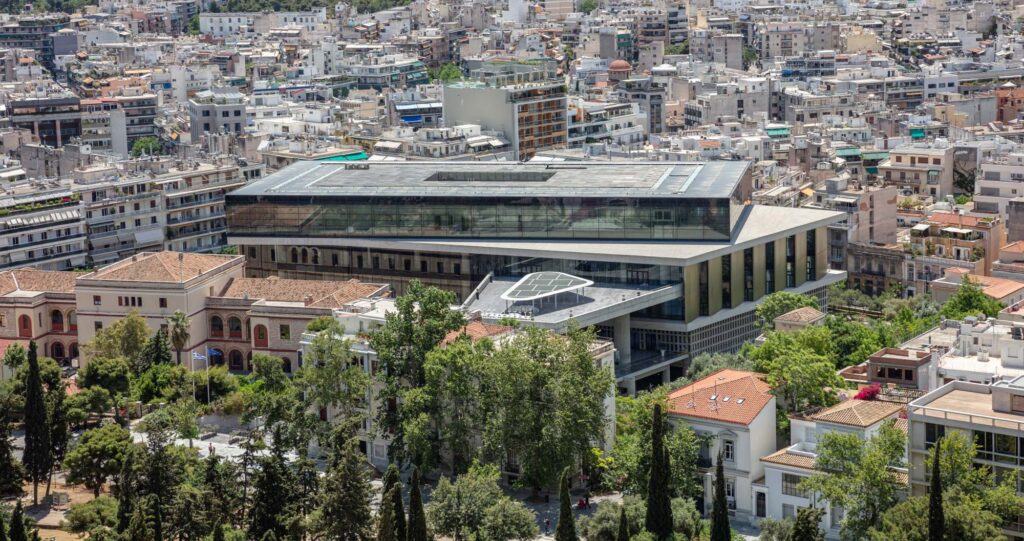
387 145
917 133
848 151
920 227
412 119
347 157
877 155
956 230
149 236
777 132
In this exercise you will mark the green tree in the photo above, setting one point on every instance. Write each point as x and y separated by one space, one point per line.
86 517
392 480
129 486
88 401
17 530
776 530
421 319
268 507
124 338
156 351
11 471
345 512
565 530
966 519
623 533
150 146
508 519
417 525
179 323
386 517
447 73
799 368
110 373
56 413
778 303
678 48
970 300
98 455
444 416
457 509
858 475
807 526
659 510
38 455
193 26
329 380
588 6
143 524
550 393
720 530
605 523
936 518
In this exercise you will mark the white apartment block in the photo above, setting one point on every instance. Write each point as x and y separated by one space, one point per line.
41 226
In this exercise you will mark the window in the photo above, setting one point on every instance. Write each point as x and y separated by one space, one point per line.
423 266
98 326
729 450
286 332
440 267
761 505
96 300
932 434
163 302
790 485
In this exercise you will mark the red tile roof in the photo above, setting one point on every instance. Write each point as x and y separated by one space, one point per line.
37 280
731 396
477 330
319 293
162 267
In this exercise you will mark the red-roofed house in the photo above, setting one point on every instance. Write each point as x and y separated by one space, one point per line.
736 409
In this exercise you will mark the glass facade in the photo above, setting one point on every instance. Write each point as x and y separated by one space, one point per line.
483 217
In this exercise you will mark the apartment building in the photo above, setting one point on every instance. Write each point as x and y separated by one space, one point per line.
735 410
54 117
34 32
96 124
123 214
218 110
194 201
870 210
138 114
601 122
992 416
778 496
41 226
946 240
650 94
999 180
922 168
745 98
523 102
386 71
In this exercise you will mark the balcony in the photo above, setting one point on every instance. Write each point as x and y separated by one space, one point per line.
194 218
194 232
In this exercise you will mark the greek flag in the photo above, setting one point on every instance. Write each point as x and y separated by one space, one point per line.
196 356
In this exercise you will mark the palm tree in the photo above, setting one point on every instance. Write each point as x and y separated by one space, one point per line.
180 324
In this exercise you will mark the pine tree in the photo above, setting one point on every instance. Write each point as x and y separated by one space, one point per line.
58 419
268 505
720 530
156 351
346 501
807 527
218 532
38 456
17 530
659 505
11 472
623 525
139 527
417 525
936 514
565 530
386 517
3 531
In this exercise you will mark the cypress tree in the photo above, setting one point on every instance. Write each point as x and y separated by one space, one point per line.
127 490
11 472
659 505
807 525
392 479
936 514
386 517
720 530
3 531
267 506
38 455
565 530
218 532
157 350
17 531
417 527
623 526
58 420
139 528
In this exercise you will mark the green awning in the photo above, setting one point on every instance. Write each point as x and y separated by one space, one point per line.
872 170
347 157
876 155
916 133
777 132
846 152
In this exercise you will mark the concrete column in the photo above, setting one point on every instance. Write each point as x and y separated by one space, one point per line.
666 375
622 342
56 127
